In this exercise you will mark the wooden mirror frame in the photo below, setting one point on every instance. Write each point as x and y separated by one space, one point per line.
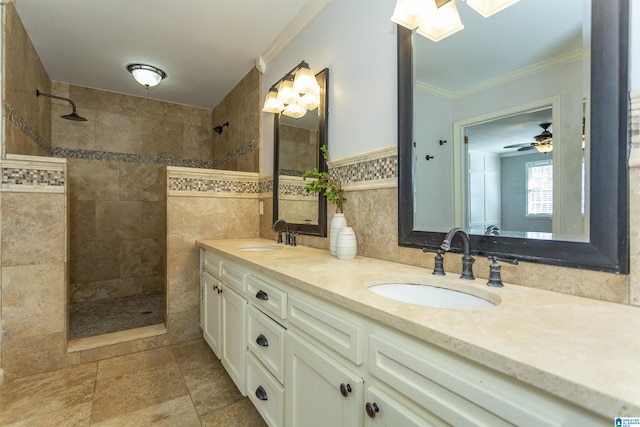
608 245
319 229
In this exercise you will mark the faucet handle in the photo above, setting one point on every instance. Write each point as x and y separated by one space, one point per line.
279 236
494 273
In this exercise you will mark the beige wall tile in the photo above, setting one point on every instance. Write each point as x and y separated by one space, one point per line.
142 182
117 288
118 220
33 228
72 134
153 284
162 138
183 286
242 219
197 143
23 74
154 220
93 179
118 133
182 326
192 218
141 257
33 300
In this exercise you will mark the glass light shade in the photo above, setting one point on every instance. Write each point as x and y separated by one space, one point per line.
411 13
442 24
546 147
487 8
271 103
294 110
286 93
146 75
310 101
305 80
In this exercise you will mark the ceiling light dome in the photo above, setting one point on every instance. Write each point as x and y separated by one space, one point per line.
146 75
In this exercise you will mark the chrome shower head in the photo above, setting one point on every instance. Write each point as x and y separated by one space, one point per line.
73 115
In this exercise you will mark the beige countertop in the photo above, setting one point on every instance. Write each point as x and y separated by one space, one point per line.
584 350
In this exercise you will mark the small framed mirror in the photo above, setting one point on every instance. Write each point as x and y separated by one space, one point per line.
297 143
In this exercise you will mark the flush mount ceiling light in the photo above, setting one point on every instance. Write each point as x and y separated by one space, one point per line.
147 75
294 94
437 19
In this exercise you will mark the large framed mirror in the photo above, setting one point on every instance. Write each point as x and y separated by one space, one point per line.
515 129
297 143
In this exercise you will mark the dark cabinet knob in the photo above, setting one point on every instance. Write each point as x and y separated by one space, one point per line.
372 409
345 389
261 393
262 341
262 295
215 286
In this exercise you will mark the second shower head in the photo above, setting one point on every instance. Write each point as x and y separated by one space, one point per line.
71 116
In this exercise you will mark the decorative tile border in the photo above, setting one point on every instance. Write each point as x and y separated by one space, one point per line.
33 174
374 169
211 183
21 176
14 117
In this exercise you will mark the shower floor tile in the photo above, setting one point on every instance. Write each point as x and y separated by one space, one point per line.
91 318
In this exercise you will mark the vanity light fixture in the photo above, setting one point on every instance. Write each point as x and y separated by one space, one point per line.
294 94
437 19
147 75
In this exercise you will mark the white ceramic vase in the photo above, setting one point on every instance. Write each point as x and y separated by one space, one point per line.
337 223
346 246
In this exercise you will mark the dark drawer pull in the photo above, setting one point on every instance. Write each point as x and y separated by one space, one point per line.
262 295
372 409
262 341
261 393
345 389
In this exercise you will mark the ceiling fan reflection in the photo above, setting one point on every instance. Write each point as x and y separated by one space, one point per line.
543 142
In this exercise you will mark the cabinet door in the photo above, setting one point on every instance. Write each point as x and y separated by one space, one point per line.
320 391
234 336
211 312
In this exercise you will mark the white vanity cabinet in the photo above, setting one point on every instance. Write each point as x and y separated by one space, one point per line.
211 314
224 313
266 339
309 362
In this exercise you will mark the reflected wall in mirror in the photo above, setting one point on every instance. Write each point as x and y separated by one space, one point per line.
297 145
493 85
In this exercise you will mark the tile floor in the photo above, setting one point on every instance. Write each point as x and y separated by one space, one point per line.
184 385
104 316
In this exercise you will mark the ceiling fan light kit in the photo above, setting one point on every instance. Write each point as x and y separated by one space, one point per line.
438 19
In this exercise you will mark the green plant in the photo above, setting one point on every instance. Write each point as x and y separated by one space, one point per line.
325 184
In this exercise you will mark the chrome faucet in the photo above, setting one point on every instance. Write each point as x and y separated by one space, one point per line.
467 260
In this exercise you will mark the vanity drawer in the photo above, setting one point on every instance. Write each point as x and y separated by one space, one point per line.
328 326
266 341
233 276
268 297
211 262
265 392
460 391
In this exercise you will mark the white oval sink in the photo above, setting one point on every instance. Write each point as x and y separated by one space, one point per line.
430 296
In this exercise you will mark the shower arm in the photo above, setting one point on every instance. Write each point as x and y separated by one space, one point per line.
73 105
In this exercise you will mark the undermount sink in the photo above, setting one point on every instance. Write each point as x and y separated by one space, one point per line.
259 248
430 296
